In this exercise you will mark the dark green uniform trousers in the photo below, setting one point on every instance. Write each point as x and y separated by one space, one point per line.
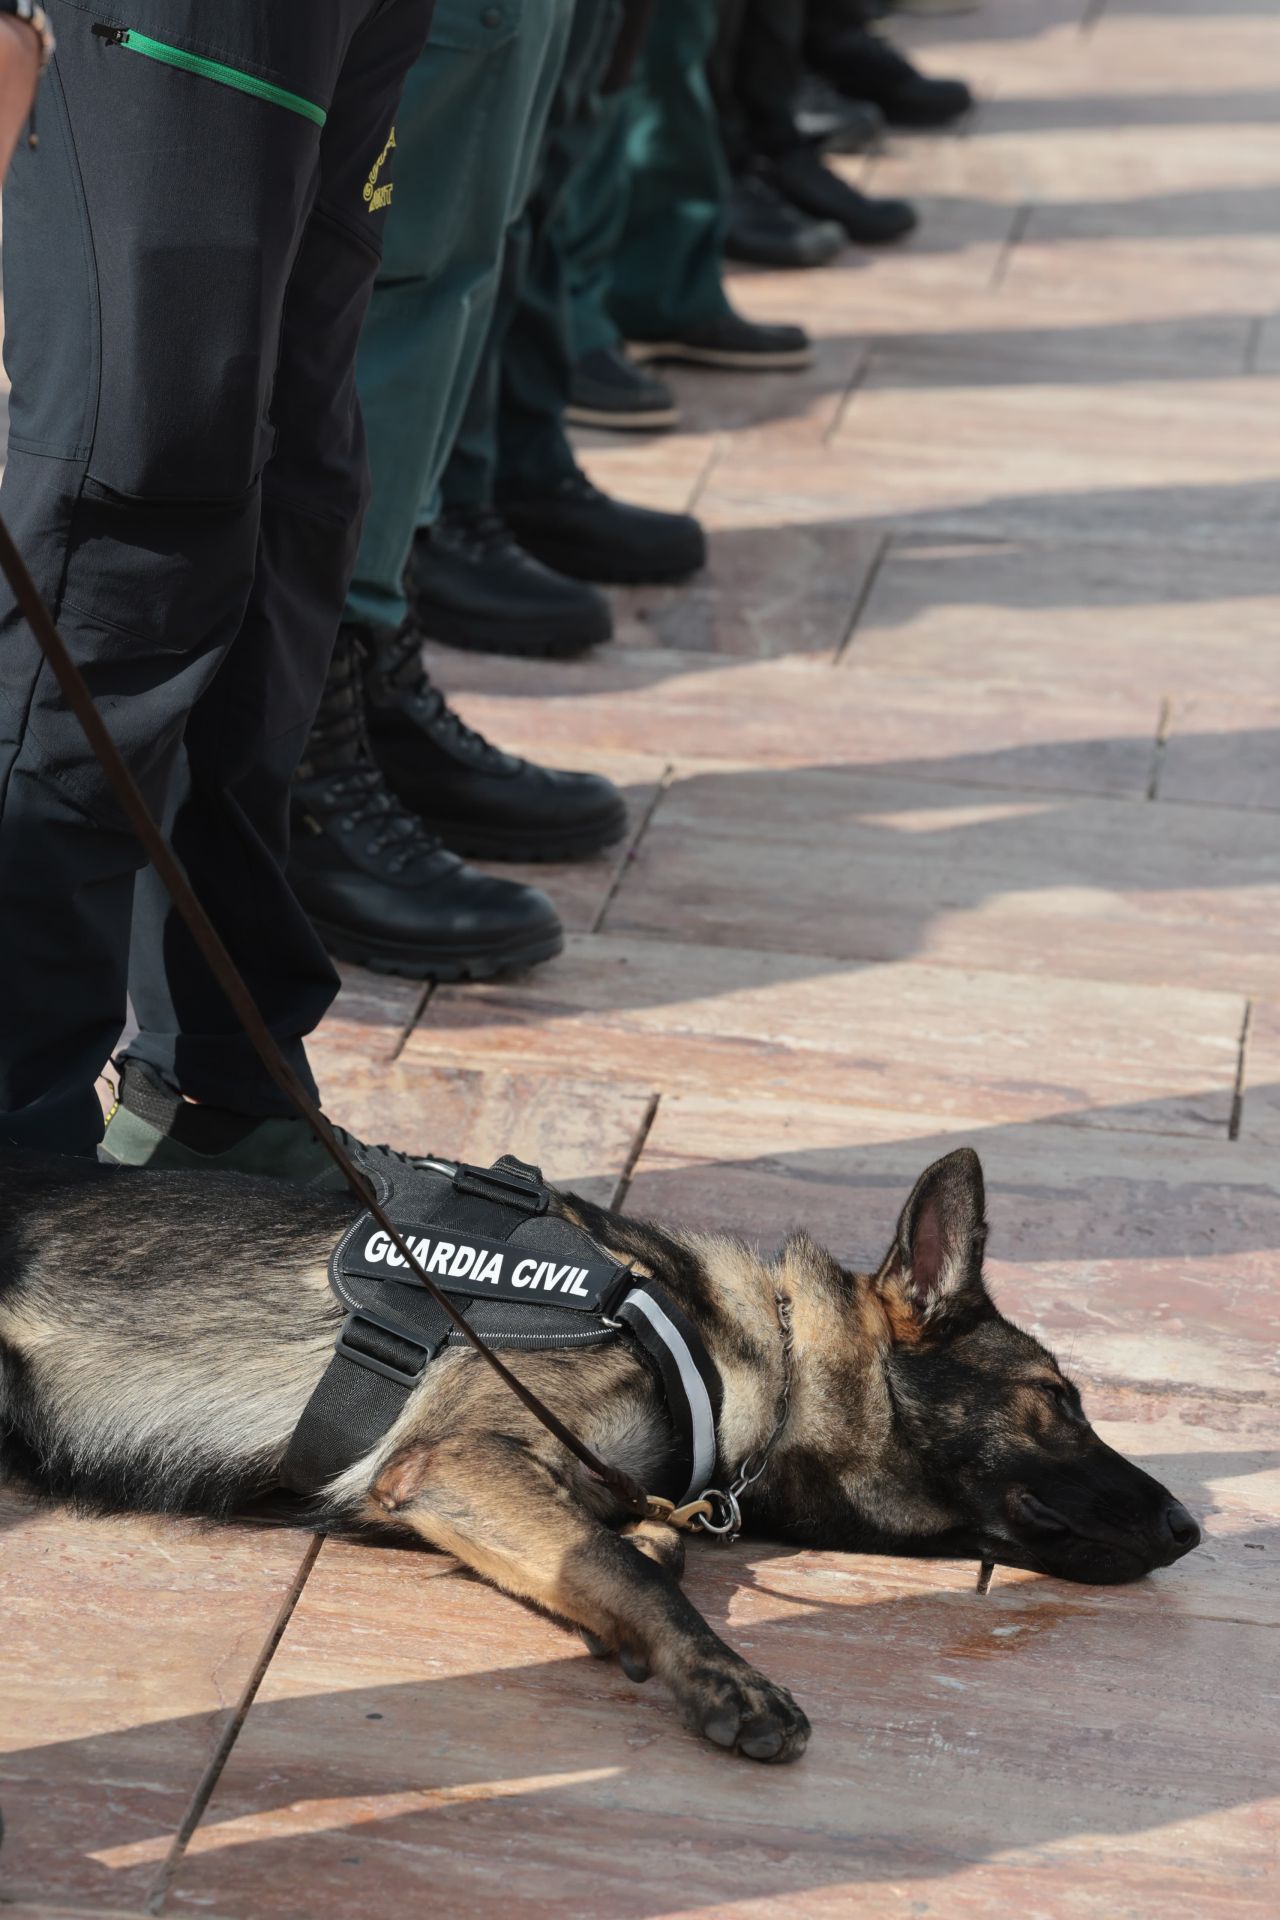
593 223
468 132
667 272
512 440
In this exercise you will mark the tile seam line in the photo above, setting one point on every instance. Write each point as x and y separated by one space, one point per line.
413 1022
863 600
1235 1122
632 847
640 1141
206 1785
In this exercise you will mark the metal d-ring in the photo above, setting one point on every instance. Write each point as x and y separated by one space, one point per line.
728 1522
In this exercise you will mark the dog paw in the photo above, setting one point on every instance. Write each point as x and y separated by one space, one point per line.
738 1708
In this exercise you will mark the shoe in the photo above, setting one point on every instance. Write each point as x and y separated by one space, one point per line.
732 343
482 802
380 889
824 118
769 231
580 531
866 67
935 9
471 584
152 1126
804 181
608 390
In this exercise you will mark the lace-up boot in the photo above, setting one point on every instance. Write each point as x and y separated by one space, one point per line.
470 584
378 884
481 801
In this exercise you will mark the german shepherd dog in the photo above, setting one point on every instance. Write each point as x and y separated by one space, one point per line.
160 1334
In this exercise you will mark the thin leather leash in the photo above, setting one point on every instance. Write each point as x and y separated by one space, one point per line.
224 969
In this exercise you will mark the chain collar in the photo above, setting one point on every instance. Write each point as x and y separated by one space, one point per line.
724 1518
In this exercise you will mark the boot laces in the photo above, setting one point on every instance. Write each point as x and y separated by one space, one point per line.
399 664
339 752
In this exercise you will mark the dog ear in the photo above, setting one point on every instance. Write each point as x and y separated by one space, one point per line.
935 1262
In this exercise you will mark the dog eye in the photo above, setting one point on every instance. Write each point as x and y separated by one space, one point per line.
1060 1399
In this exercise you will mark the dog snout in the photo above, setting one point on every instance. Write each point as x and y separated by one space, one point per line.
1178 1530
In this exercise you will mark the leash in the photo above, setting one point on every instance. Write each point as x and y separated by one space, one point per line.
171 872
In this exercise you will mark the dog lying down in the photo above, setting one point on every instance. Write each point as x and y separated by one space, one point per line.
161 1333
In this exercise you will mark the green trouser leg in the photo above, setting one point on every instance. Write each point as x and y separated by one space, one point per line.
593 223
512 435
467 134
666 277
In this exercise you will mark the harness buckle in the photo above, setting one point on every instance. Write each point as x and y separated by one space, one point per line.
403 1376
517 1186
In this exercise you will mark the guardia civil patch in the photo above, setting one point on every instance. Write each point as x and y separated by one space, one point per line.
481 1269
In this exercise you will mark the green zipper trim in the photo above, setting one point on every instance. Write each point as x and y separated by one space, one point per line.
227 76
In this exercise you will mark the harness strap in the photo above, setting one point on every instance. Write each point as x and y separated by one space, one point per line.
689 1377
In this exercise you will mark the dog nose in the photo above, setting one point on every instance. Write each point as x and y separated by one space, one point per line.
1180 1528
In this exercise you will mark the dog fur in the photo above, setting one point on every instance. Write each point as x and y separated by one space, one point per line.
160 1334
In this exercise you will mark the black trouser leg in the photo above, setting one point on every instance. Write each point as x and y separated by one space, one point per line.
150 244
231 823
755 73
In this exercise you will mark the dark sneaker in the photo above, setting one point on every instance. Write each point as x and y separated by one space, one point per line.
732 343
769 231
379 887
482 802
812 187
151 1126
578 530
471 584
866 67
608 390
830 120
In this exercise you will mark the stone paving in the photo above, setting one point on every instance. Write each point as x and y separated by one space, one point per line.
955 796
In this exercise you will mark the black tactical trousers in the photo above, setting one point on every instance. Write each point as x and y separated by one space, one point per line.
187 260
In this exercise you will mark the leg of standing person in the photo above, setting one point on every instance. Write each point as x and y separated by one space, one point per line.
473 110
467 578
782 176
668 294
148 309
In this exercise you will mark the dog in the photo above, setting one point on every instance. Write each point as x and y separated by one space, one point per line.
161 1333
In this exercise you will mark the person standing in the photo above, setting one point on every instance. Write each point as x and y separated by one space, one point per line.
188 256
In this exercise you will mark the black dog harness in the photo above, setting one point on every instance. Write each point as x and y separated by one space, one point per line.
523 1276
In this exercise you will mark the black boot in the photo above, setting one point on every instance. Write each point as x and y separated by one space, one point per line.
609 390
866 67
733 344
834 122
803 179
580 531
767 230
482 802
471 584
379 887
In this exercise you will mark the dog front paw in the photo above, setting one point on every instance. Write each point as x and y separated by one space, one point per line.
736 1707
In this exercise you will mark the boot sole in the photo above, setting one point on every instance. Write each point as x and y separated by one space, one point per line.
651 420
420 963
786 262
542 638
781 360
546 849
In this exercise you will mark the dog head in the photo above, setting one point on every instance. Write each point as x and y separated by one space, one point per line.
926 1422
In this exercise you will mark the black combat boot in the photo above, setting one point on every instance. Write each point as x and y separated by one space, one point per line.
471 584
579 530
480 801
767 230
380 888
